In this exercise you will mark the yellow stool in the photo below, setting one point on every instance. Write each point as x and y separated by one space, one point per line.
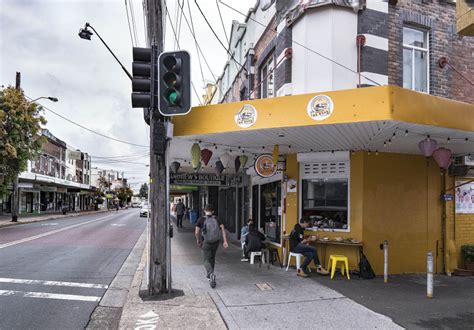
333 260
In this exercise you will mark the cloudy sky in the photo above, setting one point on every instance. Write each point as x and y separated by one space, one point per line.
39 39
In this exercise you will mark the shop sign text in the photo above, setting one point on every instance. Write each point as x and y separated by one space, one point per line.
246 117
320 107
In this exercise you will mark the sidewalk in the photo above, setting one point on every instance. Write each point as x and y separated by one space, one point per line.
5 220
246 297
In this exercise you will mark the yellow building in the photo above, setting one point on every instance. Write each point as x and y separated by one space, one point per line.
349 160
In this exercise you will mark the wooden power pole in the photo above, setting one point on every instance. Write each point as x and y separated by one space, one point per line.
159 258
15 194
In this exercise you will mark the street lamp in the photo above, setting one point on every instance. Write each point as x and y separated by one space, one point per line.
53 99
86 35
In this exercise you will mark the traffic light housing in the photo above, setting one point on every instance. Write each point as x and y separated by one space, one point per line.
143 71
174 78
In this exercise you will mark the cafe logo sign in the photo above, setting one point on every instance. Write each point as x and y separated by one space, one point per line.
264 166
320 107
246 117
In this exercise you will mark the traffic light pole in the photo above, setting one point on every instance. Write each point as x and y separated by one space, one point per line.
159 258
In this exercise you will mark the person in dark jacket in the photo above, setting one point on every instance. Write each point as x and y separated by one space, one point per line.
298 244
253 242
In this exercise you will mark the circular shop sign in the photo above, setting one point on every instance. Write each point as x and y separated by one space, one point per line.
320 107
264 166
247 116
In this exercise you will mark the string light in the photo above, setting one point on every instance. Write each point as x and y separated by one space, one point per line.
385 144
376 152
449 140
406 133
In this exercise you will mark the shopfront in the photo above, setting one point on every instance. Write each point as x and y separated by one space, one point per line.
353 163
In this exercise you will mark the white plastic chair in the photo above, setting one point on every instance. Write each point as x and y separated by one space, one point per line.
298 260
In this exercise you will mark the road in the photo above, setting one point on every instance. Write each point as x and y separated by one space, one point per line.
54 273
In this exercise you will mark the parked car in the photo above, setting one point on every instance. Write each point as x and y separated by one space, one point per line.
136 201
144 210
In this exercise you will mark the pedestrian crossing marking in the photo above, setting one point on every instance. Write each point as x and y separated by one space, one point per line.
54 283
45 295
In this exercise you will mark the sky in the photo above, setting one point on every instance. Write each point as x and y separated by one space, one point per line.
40 40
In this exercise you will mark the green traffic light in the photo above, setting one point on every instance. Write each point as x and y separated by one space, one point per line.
172 97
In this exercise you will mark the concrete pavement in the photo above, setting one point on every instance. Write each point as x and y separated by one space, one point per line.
246 297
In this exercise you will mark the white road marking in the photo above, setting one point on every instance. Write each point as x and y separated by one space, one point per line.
50 232
118 224
50 224
53 283
44 295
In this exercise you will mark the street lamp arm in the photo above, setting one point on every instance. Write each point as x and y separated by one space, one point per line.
111 52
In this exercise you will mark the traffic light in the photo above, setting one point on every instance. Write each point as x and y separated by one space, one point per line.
174 77
143 72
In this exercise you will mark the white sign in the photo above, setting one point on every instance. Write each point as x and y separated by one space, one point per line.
464 197
320 107
291 186
247 116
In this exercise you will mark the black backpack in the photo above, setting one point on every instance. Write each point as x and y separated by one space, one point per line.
365 269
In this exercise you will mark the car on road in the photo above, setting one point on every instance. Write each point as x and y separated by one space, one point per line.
144 210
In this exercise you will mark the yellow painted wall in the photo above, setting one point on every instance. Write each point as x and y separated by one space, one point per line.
459 230
292 171
402 205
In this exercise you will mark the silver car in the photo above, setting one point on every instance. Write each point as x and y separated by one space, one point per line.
144 210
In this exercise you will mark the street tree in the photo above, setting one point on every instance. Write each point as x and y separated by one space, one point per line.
20 134
124 194
143 191
104 184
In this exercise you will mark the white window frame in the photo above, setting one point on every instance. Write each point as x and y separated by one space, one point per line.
262 77
304 176
413 48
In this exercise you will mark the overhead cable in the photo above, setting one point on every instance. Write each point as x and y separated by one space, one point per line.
90 130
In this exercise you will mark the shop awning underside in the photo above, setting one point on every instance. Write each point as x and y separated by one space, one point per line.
383 119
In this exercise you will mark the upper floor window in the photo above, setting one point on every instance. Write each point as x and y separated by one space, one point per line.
415 59
267 76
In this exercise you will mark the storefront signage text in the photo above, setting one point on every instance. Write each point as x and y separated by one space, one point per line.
320 107
246 117
264 166
204 179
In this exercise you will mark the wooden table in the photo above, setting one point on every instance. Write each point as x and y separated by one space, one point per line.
324 243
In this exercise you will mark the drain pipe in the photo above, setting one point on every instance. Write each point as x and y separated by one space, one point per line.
360 41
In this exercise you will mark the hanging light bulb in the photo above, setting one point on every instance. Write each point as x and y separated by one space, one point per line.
385 144
376 152
448 140
406 133
393 136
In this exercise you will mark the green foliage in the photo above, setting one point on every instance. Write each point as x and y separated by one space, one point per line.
104 185
143 191
124 194
20 134
468 253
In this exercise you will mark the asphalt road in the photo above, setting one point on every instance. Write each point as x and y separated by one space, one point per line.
54 273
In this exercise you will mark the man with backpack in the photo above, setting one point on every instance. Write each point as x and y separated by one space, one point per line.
209 232
180 210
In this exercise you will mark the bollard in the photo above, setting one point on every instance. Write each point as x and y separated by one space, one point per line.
429 275
385 261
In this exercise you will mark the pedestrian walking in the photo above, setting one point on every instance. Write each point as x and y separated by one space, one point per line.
180 210
209 232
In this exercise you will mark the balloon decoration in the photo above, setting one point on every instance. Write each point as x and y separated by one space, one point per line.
195 155
219 167
442 156
237 164
206 155
174 167
276 152
226 158
197 168
427 146
243 160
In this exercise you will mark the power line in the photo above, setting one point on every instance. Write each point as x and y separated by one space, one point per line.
301 45
132 13
196 45
90 130
123 156
215 34
179 47
222 22
129 26
180 20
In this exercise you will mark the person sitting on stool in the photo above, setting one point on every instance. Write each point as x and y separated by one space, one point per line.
253 242
298 244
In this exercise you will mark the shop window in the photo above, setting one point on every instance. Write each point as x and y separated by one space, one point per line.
267 78
270 210
415 59
324 194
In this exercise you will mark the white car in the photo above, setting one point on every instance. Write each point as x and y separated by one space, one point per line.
144 210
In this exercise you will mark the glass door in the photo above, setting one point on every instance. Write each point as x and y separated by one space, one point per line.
270 210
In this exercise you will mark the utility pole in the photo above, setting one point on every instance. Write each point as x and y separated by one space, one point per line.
15 194
159 258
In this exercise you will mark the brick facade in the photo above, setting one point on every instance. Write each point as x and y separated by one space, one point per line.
438 17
